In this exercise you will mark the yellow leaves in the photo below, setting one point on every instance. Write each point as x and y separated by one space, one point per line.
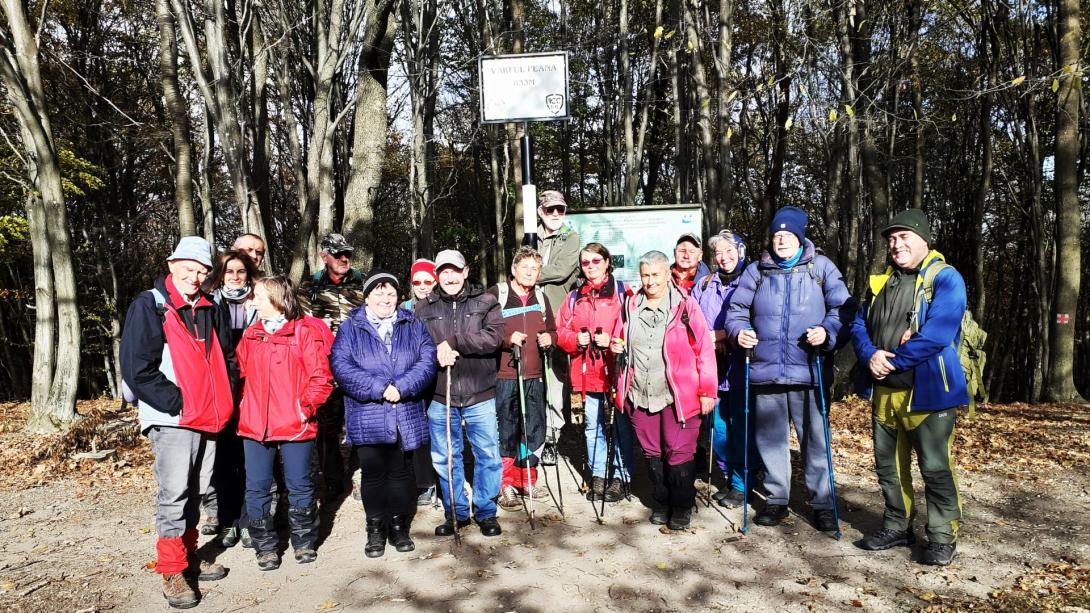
670 34
954 118
732 96
1069 69
689 46
730 133
833 115
1018 80
1055 85
849 110
771 80
705 103
663 566
787 124
327 605
658 32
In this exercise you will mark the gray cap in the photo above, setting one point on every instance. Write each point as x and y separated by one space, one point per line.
335 243
690 238
450 257
193 248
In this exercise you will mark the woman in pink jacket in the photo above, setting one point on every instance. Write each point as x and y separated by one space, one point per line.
667 385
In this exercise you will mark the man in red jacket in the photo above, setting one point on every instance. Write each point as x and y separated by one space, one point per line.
177 359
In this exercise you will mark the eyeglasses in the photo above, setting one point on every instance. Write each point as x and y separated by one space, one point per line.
427 282
554 210
341 255
592 261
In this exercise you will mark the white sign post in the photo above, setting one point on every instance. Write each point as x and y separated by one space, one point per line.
525 87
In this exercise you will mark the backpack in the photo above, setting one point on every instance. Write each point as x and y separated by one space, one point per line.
809 268
969 342
619 291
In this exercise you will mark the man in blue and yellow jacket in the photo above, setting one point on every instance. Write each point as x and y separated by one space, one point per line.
906 335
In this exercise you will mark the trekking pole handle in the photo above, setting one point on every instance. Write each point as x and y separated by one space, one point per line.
516 351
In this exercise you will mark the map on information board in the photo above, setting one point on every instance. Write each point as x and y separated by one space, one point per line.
629 232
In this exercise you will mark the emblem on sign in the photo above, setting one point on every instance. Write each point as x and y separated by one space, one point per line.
555 103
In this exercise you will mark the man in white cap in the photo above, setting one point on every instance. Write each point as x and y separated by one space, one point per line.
467 326
178 361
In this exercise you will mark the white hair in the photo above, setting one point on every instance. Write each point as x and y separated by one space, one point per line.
652 258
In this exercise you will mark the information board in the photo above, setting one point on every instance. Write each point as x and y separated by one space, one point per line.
524 87
631 231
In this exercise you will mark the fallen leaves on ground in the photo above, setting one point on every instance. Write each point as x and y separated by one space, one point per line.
1060 586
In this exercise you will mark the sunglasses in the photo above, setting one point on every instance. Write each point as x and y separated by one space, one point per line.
592 261
341 255
553 210
427 282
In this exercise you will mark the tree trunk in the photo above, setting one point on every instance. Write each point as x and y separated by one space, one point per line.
179 119
369 138
57 327
1061 383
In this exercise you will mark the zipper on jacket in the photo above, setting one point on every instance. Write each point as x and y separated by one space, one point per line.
669 380
302 420
784 328
942 369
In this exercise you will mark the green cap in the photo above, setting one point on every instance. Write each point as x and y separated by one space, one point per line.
912 219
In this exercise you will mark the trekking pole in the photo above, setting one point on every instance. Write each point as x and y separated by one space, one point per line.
450 469
745 452
516 352
711 451
606 419
828 442
547 362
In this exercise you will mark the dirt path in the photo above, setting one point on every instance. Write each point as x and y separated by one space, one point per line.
76 544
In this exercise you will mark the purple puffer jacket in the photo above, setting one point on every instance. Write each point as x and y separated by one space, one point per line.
784 306
713 296
363 369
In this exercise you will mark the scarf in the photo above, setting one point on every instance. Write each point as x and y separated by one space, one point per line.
273 325
790 262
384 327
237 294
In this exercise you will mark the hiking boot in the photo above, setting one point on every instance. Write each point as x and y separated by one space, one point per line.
729 498
938 554
399 534
268 560
424 496
887 538
208 571
771 515
357 494
659 516
210 528
679 518
178 592
548 454
509 499
825 520
229 537
447 528
244 538
597 489
489 526
376 537
541 492
305 556
615 491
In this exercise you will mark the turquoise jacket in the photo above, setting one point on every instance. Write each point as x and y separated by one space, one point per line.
932 351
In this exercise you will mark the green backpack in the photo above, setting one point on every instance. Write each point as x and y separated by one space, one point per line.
971 349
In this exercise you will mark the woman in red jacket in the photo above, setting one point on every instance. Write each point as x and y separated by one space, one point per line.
284 359
588 319
668 384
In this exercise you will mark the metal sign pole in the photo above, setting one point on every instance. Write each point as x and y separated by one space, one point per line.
529 190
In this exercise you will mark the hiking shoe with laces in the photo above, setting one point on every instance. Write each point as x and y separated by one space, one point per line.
209 571
210 528
825 520
541 492
938 554
229 537
679 518
244 538
425 495
179 592
659 516
614 491
304 555
509 499
548 454
771 515
886 538
597 489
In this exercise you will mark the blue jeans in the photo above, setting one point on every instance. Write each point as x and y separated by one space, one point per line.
480 420
623 435
260 458
729 439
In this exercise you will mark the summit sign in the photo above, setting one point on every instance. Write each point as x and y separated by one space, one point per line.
524 87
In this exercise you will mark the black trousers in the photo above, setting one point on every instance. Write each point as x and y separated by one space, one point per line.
330 435
387 480
509 418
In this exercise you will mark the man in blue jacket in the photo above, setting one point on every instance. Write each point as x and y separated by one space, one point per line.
906 336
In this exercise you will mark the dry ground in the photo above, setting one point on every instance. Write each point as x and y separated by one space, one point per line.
78 536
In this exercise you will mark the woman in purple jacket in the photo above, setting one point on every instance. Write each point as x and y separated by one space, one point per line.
384 360
713 293
790 305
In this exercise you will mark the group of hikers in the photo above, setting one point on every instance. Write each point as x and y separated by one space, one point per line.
247 385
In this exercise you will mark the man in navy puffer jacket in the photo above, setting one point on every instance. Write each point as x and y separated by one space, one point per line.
790 304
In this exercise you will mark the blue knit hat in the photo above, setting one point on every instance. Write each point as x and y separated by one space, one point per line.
789 219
